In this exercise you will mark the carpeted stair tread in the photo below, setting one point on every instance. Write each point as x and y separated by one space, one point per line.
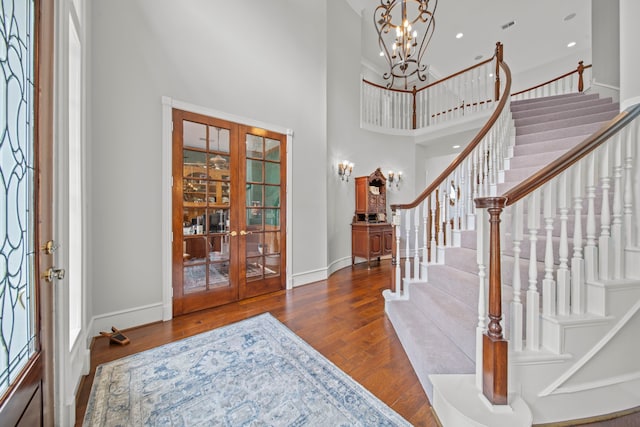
452 316
429 349
585 129
550 101
565 123
537 159
556 116
549 145
459 284
461 258
535 112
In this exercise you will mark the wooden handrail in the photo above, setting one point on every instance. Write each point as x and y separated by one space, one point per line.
495 347
578 70
563 162
468 149
479 64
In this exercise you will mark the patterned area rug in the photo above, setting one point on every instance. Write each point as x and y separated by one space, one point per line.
252 373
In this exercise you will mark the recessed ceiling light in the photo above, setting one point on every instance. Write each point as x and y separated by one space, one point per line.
569 17
571 44
456 146
459 35
478 57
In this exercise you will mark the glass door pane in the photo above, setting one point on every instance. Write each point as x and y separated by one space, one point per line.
205 262
263 251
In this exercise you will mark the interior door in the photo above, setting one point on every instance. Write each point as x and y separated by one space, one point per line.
205 212
26 373
228 242
262 233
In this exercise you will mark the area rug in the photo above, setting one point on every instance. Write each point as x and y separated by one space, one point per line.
252 373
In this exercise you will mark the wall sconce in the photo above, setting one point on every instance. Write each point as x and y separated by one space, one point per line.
394 178
345 168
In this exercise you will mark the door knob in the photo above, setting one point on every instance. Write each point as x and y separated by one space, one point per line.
49 247
233 234
245 233
53 273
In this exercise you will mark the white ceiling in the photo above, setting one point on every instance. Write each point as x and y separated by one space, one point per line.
540 31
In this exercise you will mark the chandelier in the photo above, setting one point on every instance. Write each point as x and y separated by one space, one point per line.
405 28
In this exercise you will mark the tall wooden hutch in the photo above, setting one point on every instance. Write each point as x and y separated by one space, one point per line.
371 234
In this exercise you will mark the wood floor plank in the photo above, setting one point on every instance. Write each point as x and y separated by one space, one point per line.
342 317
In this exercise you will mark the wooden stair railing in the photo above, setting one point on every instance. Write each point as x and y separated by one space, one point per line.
430 97
495 354
556 86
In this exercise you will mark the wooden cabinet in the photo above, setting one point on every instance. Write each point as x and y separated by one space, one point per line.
371 240
371 198
371 235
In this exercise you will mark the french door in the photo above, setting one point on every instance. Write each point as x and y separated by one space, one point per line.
228 219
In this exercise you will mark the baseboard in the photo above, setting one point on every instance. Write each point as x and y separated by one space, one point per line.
124 319
307 277
338 264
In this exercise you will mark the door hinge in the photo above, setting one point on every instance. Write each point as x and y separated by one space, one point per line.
172 180
172 236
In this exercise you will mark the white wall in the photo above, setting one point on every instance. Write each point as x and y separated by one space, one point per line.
605 44
368 150
629 58
253 59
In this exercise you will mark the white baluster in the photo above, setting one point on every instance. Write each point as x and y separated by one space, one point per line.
533 296
563 275
590 249
604 242
407 251
577 262
425 234
617 244
416 250
462 192
482 257
434 245
628 188
397 222
448 237
471 217
548 284
456 237
516 304
441 224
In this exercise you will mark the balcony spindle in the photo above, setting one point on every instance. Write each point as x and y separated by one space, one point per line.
628 188
433 200
407 250
397 219
425 239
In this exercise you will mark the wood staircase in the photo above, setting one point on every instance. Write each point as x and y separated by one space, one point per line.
563 337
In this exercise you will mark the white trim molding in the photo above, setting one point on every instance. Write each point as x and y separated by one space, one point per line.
310 276
168 104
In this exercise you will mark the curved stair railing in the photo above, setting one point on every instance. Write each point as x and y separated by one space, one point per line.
473 173
468 91
567 83
601 170
598 175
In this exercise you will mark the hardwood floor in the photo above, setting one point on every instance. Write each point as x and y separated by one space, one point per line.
343 318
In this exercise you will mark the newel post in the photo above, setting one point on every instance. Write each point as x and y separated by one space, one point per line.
414 91
580 78
498 62
495 346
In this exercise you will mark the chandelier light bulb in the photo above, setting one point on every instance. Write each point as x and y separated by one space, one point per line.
415 34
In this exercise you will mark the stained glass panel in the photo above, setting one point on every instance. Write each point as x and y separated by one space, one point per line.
17 258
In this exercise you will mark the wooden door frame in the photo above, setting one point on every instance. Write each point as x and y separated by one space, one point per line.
39 372
168 104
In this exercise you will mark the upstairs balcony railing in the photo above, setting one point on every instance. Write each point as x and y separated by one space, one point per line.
471 90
